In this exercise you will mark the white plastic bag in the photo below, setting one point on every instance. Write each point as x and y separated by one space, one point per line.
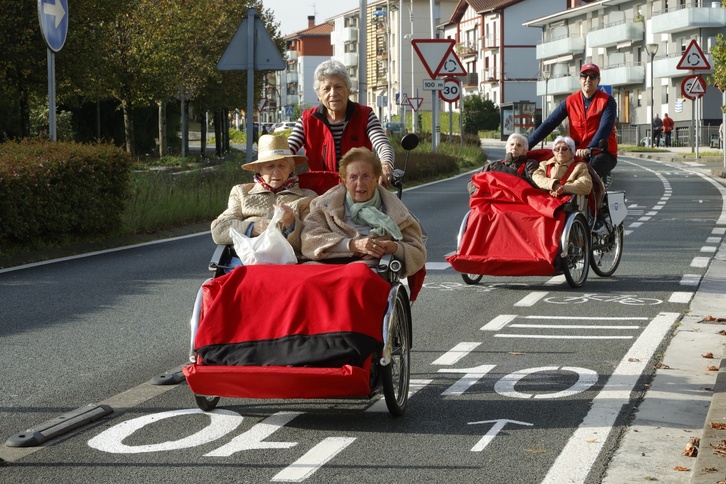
270 247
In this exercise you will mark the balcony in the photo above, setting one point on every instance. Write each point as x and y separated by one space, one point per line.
490 42
466 50
350 59
616 34
620 75
665 66
471 79
349 34
291 55
689 17
490 75
291 77
558 85
560 47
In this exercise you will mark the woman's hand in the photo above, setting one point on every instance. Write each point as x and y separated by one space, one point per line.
288 218
387 178
260 227
557 190
373 247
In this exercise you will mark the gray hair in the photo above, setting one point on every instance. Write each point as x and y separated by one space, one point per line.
564 139
521 138
328 69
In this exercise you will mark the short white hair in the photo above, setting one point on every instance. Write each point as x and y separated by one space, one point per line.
521 138
328 69
564 139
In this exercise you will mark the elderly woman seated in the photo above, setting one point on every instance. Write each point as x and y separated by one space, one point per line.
251 205
563 174
515 161
359 219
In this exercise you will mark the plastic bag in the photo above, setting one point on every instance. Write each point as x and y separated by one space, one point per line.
270 247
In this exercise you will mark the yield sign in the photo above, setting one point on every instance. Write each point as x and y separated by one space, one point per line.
693 58
433 53
415 102
452 66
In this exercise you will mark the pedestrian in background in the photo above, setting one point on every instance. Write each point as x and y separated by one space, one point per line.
668 125
657 130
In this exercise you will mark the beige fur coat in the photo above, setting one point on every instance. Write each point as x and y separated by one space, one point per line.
325 228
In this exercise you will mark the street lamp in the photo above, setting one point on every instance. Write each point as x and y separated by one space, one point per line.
651 50
545 104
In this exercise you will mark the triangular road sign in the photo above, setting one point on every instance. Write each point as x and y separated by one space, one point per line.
415 102
432 53
693 58
697 87
261 104
266 55
452 66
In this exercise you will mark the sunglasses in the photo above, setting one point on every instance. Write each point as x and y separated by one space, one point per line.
592 77
562 148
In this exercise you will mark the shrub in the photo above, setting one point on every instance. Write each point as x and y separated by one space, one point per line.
51 189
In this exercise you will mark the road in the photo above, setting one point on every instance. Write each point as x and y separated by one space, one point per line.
511 376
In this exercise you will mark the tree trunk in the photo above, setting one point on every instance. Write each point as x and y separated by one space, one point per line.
203 141
128 126
162 128
218 132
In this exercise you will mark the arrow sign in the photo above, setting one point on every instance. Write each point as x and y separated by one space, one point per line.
53 17
415 102
693 59
452 66
496 428
433 53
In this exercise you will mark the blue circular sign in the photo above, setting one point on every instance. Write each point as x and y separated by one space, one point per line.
53 16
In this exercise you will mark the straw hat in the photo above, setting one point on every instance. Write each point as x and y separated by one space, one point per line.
269 148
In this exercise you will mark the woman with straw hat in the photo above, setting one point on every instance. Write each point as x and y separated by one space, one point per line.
251 205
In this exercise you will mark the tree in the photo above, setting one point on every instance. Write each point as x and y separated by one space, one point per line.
718 55
479 115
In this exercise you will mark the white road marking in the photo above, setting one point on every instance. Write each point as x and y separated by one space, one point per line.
456 353
531 299
713 240
499 322
584 446
709 248
719 231
471 376
437 266
313 459
540 336
680 297
690 280
570 326
413 387
700 262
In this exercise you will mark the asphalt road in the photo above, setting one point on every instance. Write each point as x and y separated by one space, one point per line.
505 372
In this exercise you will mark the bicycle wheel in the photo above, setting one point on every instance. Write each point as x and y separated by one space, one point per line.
606 251
206 403
396 375
576 264
472 279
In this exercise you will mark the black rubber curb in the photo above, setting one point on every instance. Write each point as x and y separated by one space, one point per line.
710 466
59 426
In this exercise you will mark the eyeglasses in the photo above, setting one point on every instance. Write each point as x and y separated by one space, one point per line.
562 148
592 77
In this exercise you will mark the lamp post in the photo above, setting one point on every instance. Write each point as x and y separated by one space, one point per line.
651 50
545 104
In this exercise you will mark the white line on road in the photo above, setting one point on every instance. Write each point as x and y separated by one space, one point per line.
456 353
700 262
531 299
680 297
541 336
583 448
690 279
414 386
570 326
313 459
499 322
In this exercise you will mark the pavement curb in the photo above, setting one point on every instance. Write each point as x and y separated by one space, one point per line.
710 467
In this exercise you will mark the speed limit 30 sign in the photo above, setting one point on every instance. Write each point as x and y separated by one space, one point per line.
451 91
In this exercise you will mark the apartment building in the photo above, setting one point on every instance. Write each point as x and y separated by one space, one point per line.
638 45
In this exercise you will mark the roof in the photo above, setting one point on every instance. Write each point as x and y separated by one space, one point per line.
322 29
479 6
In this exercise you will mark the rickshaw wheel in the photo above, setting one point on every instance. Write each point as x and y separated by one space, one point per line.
396 375
472 279
607 249
576 264
206 403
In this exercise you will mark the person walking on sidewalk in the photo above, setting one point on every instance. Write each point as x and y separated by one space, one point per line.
592 114
668 125
657 130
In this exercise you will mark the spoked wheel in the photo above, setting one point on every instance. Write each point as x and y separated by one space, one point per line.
396 375
606 251
472 279
575 265
206 403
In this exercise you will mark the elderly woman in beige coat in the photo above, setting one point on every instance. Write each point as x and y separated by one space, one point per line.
359 219
251 205
562 174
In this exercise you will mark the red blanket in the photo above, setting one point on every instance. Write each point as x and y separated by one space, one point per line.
513 229
304 315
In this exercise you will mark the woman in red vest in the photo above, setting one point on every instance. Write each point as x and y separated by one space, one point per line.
329 130
592 114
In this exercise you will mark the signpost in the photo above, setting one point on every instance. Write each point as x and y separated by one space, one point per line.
251 49
450 93
53 18
693 87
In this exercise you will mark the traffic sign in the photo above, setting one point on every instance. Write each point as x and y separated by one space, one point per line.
607 88
415 102
266 57
451 91
433 53
433 84
693 58
53 17
452 66
289 111
261 104
693 87
404 100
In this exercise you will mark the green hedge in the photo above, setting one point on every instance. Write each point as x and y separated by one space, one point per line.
51 189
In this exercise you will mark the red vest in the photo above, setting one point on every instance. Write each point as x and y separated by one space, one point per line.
319 143
583 126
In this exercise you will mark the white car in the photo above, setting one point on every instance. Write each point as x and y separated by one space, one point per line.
284 126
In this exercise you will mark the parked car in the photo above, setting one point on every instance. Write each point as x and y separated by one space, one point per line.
284 126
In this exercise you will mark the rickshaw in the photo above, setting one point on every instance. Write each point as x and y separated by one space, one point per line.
355 344
514 229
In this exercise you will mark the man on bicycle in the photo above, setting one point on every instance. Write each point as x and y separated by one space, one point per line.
592 114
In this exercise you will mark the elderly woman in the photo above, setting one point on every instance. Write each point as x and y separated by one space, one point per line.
328 131
563 174
515 160
251 205
362 220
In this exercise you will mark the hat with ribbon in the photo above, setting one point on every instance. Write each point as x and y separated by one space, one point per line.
270 148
